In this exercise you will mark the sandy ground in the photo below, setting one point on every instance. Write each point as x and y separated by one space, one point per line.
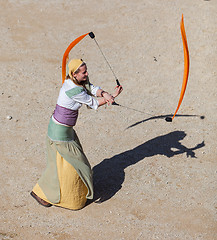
153 179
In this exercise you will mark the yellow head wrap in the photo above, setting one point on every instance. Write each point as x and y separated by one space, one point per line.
73 65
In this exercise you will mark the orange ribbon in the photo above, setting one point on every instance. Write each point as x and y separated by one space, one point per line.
186 65
66 54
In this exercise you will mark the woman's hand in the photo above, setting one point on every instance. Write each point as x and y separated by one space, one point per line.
118 90
108 97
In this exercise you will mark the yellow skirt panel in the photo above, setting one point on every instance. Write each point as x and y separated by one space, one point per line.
72 189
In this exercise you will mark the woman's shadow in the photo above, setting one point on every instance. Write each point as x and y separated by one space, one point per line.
109 175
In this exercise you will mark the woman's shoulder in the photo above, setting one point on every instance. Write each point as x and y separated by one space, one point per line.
72 89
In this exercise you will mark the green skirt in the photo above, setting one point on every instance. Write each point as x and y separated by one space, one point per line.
68 176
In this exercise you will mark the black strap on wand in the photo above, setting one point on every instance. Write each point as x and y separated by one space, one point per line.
92 35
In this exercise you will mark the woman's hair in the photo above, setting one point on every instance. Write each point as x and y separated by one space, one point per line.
68 77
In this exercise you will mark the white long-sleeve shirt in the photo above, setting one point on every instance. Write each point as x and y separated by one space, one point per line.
71 98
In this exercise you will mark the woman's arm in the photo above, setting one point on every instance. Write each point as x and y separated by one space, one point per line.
107 96
101 101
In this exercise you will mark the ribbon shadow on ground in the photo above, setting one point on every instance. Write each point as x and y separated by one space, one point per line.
109 175
163 117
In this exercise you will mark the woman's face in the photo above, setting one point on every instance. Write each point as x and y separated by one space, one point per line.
82 75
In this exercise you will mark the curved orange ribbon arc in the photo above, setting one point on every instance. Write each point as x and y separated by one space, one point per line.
66 54
186 65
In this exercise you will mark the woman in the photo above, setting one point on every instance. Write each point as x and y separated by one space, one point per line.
67 180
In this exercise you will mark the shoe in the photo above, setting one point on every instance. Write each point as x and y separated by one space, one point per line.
40 201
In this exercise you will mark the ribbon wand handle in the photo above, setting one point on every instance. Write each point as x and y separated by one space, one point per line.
118 83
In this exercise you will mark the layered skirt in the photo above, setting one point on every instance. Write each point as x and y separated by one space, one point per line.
67 179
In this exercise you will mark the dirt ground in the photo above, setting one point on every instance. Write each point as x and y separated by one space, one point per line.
153 179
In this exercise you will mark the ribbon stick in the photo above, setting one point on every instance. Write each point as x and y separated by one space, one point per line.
66 54
92 35
186 65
